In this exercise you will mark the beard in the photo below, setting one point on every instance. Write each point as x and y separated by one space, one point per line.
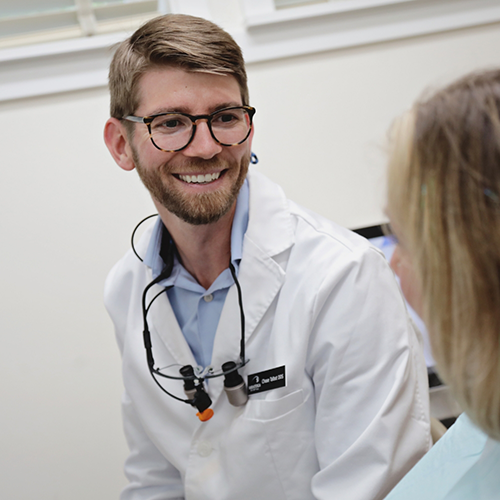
199 208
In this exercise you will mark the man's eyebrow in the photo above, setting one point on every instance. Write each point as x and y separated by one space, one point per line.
159 111
231 104
185 110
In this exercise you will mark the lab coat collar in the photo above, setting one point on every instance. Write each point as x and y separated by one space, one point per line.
270 226
270 233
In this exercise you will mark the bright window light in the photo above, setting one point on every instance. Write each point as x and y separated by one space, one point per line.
33 21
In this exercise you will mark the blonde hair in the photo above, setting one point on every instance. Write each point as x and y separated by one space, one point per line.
444 199
177 40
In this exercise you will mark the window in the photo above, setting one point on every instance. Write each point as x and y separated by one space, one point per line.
34 21
78 34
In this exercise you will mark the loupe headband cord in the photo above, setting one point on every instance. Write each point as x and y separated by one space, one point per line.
147 335
242 314
133 235
145 308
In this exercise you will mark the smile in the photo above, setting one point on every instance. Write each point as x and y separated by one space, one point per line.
199 179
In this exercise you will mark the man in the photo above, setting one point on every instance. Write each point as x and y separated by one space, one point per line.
337 401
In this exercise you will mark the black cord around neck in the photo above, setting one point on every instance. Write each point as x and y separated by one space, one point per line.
242 313
133 235
168 251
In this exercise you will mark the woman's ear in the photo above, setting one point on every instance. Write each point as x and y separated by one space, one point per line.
117 141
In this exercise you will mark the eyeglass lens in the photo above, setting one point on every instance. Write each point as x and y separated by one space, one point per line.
173 131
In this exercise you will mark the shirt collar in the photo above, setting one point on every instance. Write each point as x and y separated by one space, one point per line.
239 227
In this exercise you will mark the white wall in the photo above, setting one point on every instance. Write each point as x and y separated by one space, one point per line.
322 120
67 213
65 220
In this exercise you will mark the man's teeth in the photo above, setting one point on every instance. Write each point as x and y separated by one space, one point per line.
200 179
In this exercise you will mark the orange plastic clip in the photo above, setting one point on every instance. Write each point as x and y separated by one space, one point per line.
205 414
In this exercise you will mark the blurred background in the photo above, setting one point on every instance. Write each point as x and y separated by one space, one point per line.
327 79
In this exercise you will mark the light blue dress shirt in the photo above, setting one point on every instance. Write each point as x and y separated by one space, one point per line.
463 465
198 310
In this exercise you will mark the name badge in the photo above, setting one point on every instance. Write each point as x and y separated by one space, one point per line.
266 380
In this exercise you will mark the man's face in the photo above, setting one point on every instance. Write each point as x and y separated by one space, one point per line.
164 174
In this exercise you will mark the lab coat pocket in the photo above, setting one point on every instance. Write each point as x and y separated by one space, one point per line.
288 423
268 409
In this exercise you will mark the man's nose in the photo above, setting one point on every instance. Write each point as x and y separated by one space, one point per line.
203 144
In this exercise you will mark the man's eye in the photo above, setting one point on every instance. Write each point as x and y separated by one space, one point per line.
171 123
226 118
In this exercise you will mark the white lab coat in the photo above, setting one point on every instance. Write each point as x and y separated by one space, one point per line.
353 417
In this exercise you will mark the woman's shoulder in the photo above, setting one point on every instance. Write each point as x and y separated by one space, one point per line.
482 480
442 469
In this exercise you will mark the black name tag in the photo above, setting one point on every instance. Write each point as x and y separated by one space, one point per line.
266 380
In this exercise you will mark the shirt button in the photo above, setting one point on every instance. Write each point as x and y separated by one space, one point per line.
208 298
204 448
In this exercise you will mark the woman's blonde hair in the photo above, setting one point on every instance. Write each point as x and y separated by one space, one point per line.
444 199
176 40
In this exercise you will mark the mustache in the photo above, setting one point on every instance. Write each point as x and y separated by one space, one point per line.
197 164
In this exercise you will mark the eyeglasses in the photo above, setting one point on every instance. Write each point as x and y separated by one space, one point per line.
171 132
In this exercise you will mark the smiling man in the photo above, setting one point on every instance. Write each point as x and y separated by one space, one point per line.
267 353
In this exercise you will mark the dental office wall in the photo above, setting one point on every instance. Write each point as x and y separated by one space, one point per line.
68 211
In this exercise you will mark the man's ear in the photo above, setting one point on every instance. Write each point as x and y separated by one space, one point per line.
116 139
250 137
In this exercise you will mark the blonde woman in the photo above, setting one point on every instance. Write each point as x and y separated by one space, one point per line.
444 207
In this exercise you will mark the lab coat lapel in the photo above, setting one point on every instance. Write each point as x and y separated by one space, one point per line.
260 279
163 324
270 232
